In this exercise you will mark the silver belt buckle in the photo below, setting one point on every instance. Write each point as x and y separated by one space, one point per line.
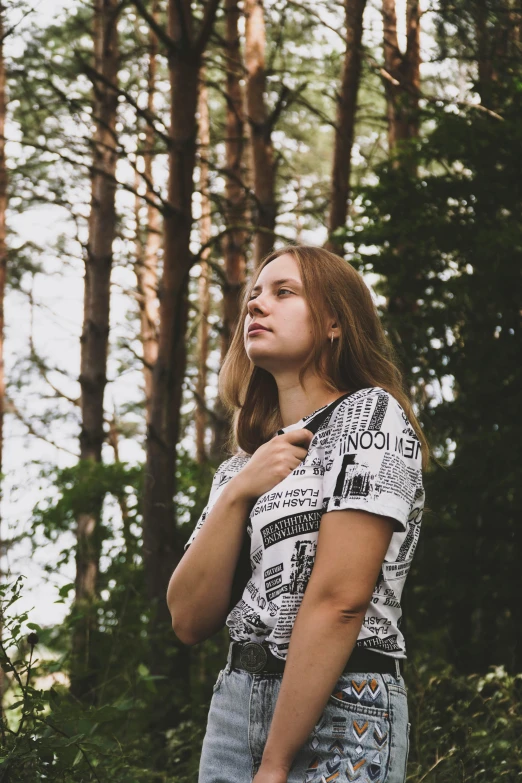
253 656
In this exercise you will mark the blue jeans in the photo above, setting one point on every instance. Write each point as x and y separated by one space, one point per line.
362 734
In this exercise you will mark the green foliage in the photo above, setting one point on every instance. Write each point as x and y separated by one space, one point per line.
121 641
464 727
447 246
47 735
80 487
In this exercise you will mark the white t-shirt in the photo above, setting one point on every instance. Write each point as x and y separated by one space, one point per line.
365 455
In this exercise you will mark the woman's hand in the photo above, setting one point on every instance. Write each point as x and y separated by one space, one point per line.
272 462
266 774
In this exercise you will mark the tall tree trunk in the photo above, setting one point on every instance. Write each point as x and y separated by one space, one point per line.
147 260
403 86
205 226
235 182
236 209
345 122
3 276
162 548
261 124
94 340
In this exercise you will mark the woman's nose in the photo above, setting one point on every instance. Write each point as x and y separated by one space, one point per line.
256 305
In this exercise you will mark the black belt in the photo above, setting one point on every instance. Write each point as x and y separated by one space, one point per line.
256 657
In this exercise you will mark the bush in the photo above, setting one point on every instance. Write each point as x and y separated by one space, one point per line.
46 734
464 727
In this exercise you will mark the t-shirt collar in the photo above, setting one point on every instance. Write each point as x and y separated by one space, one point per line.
298 424
305 419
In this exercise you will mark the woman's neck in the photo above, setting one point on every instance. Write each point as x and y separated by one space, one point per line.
296 402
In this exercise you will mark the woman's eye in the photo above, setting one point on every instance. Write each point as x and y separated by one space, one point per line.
281 289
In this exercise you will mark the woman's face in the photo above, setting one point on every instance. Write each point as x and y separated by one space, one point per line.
283 310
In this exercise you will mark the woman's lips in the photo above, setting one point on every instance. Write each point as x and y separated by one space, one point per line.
257 331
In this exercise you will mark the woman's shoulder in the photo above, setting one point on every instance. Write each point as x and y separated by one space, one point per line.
227 470
234 463
370 408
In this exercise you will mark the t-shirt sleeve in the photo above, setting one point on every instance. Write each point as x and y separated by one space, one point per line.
220 478
375 463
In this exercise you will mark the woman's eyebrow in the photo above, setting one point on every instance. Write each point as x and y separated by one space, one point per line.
278 282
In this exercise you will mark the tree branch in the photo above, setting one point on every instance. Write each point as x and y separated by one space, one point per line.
206 26
163 36
12 408
93 74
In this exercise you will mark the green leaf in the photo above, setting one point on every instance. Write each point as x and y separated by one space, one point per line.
64 591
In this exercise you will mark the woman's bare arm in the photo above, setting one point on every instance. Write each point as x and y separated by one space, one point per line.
199 590
351 547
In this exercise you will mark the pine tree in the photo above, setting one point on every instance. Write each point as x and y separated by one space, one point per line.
345 121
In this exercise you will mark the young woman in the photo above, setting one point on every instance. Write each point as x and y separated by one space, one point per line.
326 478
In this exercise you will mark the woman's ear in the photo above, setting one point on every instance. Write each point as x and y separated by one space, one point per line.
332 327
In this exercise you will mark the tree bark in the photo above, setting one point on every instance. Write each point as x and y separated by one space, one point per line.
162 548
265 208
3 277
234 243
402 89
147 260
94 341
236 210
205 225
345 122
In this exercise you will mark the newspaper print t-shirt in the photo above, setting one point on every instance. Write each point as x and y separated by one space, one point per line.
365 455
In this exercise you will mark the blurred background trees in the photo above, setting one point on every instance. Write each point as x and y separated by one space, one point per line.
151 153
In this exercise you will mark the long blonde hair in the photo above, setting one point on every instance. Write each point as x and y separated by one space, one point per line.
362 357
